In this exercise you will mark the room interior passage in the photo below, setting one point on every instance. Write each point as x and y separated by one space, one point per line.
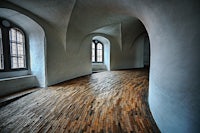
111 101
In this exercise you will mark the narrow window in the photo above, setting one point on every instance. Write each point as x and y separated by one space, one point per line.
1 52
97 51
17 48
93 52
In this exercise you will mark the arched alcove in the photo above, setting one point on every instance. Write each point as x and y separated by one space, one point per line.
85 49
35 39
106 53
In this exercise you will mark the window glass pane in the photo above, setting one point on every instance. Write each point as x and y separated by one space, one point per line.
13 35
20 38
14 49
14 62
1 52
93 45
21 62
99 52
99 46
93 52
99 55
20 49
17 47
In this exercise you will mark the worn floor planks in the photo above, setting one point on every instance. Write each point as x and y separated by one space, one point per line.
113 101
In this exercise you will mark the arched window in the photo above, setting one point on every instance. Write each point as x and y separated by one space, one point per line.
97 51
93 52
17 48
1 52
12 47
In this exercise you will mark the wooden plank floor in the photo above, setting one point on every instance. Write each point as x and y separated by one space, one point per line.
102 102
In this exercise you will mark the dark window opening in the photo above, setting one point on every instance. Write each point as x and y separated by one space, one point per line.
1 52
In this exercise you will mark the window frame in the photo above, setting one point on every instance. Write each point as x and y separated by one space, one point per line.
7 47
96 42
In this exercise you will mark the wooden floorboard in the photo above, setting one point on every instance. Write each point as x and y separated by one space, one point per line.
109 102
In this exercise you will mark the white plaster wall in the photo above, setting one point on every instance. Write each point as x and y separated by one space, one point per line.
107 55
174 31
129 58
37 56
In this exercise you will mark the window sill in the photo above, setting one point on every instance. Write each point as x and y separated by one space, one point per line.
17 77
17 84
97 63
